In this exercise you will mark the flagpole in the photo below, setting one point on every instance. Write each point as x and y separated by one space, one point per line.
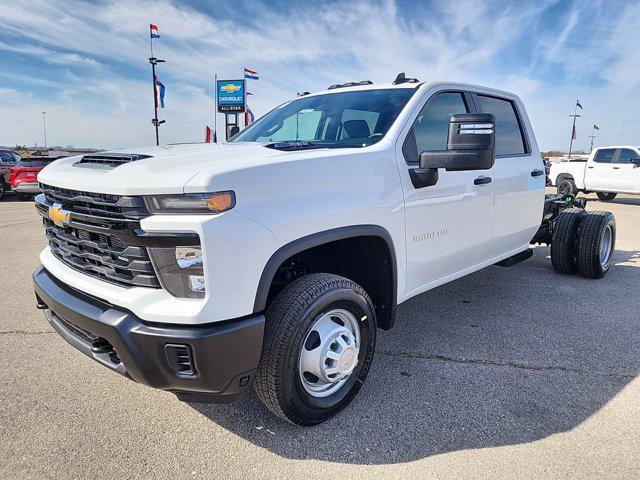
592 136
573 128
154 61
215 110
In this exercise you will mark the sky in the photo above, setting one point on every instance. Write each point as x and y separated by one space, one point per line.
85 63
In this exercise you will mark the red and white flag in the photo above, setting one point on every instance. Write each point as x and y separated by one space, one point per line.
210 135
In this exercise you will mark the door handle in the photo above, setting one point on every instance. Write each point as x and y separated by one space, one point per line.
616 168
482 180
590 167
537 173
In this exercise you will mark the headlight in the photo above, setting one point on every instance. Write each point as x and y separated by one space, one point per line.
197 203
180 270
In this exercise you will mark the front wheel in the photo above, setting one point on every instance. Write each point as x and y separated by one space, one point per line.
3 189
319 338
567 187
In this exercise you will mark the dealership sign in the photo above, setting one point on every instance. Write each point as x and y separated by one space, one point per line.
231 96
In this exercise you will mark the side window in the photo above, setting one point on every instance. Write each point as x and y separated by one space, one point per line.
431 128
604 155
509 140
625 155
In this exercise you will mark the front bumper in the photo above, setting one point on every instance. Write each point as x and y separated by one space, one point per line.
214 363
26 187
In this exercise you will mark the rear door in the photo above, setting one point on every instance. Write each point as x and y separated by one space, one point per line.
448 225
599 170
518 176
625 173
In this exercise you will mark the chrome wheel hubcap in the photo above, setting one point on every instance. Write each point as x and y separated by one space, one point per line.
605 247
329 353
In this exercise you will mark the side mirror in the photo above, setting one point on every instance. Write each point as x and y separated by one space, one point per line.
635 162
470 146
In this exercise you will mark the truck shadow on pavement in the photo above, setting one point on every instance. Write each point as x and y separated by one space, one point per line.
505 356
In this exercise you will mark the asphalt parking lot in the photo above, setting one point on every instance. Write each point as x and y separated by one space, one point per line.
508 373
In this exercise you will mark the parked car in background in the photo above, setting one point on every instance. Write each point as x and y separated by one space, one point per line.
8 159
607 172
24 174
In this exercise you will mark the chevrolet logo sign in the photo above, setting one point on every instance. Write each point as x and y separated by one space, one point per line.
230 88
59 216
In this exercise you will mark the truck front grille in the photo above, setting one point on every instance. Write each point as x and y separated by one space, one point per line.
97 241
101 255
96 204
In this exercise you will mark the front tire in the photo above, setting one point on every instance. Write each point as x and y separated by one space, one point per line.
319 339
567 187
3 189
606 197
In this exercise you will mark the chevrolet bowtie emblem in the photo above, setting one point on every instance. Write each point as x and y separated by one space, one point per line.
59 216
230 88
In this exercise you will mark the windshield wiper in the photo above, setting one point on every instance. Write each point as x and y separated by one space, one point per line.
298 145
291 145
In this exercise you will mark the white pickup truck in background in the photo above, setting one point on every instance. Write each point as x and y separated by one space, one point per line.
607 172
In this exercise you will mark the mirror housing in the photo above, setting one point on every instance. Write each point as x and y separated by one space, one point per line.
470 144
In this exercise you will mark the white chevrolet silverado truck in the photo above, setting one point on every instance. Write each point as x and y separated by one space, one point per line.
607 172
271 260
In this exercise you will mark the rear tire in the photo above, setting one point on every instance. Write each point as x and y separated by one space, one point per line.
567 187
563 251
25 197
294 342
596 244
3 189
606 197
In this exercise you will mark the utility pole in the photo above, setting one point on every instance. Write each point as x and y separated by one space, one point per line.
44 127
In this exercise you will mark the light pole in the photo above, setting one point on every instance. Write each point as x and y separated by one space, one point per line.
44 127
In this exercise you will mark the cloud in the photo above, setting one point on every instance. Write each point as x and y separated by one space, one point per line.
99 51
48 55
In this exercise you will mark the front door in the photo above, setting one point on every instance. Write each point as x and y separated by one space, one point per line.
448 225
625 172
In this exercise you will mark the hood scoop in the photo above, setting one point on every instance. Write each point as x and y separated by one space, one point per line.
108 160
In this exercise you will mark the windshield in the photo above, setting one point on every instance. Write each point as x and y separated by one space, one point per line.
341 119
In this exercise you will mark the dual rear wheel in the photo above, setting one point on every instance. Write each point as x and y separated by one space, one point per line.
583 242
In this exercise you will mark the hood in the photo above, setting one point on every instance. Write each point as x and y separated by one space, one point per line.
166 170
